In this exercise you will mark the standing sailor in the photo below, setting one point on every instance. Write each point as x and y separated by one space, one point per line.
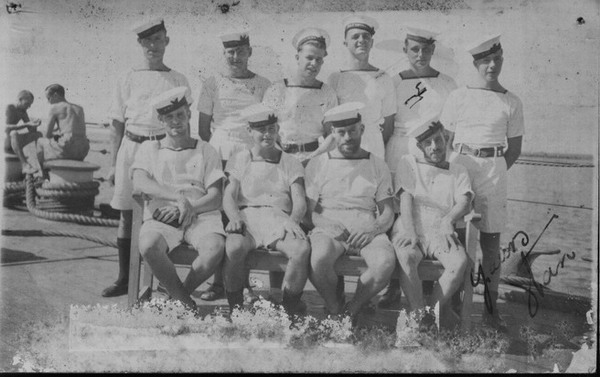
421 92
487 127
133 122
363 82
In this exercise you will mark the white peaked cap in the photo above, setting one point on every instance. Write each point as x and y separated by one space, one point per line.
360 22
235 39
425 129
421 35
343 115
310 34
171 100
150 27
259 115
484 46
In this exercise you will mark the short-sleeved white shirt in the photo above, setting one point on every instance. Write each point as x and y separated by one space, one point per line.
192 170
419 99
353 184
300 109
134 92
483 118
375 89
264 183
435 190
225 97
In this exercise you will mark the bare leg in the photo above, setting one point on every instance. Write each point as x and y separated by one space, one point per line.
18 142
237 247
380 260
325 251
296 272
153 248
211 250
409 258
455 264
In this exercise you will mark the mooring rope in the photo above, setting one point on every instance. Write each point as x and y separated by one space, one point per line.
522 161
57 216
57 233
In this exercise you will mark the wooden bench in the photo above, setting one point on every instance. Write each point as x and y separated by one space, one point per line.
264 260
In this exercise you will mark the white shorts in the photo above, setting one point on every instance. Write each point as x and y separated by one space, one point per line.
265 224
350 220
432 242
204 225
489 182
229 142
123 185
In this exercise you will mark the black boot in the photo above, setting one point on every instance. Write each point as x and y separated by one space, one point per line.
235 299
119 287
292 303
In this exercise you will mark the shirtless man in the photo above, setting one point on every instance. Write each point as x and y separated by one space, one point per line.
64 134
17 119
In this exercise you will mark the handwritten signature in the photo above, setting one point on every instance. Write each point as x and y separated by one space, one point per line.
418 96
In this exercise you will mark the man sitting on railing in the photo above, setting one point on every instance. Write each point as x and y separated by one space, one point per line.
64 135
434 195
350 201
265 202
182 177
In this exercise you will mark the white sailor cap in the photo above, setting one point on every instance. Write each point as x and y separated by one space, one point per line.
310 34
343 115
425 129
360 22
235 39
485 46
259 115
149 28
420 35
171 100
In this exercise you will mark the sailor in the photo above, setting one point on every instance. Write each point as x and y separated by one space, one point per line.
486 130
301 100
222 98
133 122
363 82
434 195
182 177
350 206
17 119
265 202
421 92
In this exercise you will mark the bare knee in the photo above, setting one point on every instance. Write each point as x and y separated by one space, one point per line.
321 255
457 265
298 251
235 249
409 258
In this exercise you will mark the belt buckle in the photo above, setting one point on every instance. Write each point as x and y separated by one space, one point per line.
152 137
476 152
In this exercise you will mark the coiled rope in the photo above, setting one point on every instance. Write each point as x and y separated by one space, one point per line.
57 216
58 233
523 161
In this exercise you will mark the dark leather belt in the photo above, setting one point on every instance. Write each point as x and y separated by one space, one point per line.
480 152
295 148
140 139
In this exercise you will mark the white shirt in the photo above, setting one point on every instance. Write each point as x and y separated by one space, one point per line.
134 93
300 110
225 97
192 170
419 99
435 191
264 183
339 183
483 118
